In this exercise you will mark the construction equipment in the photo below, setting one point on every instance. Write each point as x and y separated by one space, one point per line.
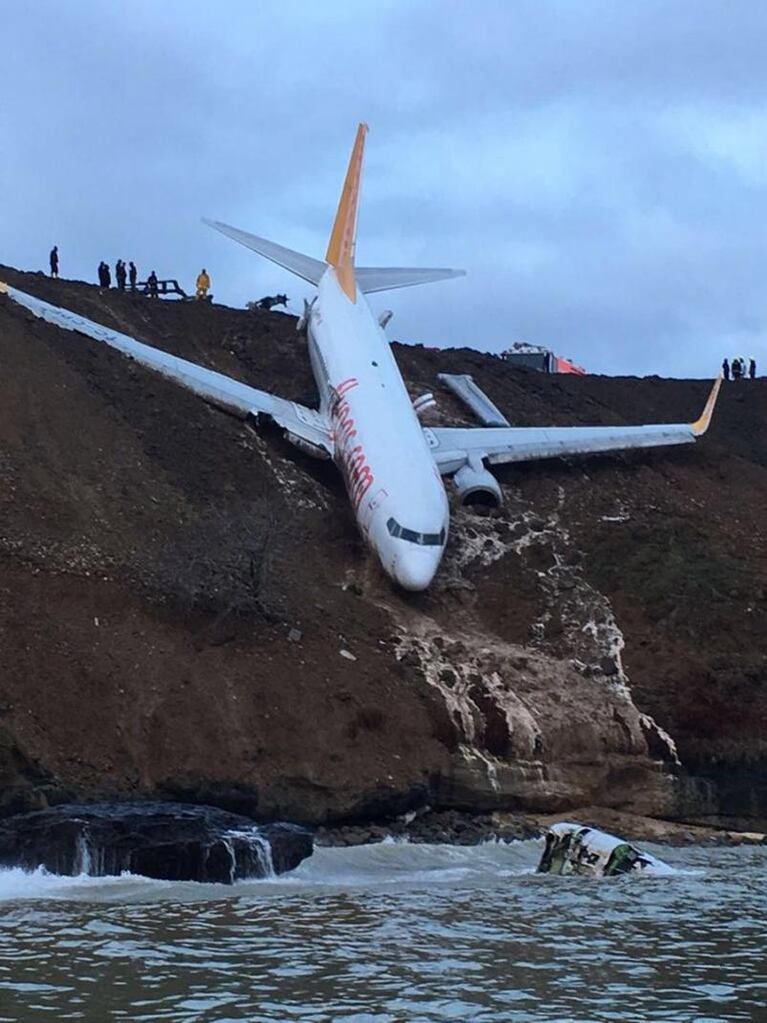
169 287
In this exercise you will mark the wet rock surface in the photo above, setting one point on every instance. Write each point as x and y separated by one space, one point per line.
448 827
452 827
179 595
168 841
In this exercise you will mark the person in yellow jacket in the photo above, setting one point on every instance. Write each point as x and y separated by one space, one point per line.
202 284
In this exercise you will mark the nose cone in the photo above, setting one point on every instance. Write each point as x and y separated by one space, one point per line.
415 569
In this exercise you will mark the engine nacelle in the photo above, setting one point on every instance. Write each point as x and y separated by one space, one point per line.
423 402
476 485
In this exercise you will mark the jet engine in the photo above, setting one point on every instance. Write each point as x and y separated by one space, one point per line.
423 402
476 485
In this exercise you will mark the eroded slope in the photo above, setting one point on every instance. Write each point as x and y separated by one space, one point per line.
607 625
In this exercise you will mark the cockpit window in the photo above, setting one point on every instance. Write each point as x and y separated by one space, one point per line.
423 539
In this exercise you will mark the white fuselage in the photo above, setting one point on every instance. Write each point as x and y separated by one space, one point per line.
394 486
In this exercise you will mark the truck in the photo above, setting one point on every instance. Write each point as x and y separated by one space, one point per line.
537 357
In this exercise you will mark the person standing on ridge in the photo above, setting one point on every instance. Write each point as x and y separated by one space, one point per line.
120 274
736 368
151 284
202 284
752 367
54 258
726 369
132 274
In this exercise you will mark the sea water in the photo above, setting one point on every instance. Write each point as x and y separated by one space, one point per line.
395 932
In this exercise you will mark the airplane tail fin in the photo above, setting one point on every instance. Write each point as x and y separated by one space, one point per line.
341 245
340 252
303 266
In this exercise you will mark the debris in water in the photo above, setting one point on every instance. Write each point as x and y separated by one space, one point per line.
574 849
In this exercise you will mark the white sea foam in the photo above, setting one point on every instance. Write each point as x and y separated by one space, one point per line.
393 864
39 884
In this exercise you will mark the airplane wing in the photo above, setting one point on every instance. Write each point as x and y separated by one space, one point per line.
453 447
300 423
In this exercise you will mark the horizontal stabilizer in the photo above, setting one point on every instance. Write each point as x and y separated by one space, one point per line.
303 266
387 278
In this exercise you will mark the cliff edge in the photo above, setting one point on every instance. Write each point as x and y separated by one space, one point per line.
187 610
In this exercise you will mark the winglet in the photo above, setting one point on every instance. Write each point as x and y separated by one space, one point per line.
700 426
340 252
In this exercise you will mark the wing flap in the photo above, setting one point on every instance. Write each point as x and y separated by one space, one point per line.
217 388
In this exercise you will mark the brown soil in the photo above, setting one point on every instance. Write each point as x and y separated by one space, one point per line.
155 555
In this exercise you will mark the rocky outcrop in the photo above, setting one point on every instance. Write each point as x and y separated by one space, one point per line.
169 841
187 611
24 785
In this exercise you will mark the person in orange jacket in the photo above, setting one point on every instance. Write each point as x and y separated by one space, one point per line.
202 284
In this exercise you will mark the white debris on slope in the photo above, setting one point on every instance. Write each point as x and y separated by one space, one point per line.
487 539
622 514
587 635
302 490
461 667
489 764
651 725
588 625
477 697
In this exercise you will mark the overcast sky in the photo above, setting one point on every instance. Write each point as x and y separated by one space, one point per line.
598 168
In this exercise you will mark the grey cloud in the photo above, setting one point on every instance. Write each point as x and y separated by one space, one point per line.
556 150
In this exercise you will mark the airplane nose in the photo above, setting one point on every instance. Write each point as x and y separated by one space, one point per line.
415 569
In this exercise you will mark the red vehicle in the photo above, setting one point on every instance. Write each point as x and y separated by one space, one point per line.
565 366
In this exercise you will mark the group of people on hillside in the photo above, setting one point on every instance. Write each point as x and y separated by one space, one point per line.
129 276
122 275
739 369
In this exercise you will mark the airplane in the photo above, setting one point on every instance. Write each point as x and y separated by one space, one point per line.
392 465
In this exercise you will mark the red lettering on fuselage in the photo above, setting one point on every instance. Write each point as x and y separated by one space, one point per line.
351 457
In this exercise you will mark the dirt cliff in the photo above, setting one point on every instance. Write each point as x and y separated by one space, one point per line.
187 610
